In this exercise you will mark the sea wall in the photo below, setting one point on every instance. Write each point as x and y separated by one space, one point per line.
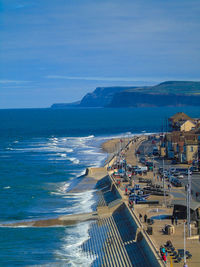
136 231
146 247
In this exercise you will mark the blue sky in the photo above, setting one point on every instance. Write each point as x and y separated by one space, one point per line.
58 50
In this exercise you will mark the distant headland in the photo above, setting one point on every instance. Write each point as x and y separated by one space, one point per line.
169 93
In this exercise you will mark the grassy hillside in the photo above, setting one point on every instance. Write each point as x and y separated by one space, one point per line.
175 93
171 87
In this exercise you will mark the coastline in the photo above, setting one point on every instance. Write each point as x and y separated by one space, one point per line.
107 215
158 239
144 244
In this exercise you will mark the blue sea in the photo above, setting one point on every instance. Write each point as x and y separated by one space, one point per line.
43 152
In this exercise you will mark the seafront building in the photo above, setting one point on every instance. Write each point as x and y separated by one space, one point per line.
182 143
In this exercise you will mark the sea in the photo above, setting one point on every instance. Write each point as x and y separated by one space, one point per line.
43 154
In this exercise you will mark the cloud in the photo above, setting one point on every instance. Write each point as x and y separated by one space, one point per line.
12 82
109 79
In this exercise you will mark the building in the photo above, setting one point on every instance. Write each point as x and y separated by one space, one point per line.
181 122
181 146
186 126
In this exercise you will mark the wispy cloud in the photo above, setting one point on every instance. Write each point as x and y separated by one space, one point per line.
92 78
12 82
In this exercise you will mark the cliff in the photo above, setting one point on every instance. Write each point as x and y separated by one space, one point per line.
102 96
135 99
170 93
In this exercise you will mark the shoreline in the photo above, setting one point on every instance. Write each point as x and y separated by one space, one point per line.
92 177
112 214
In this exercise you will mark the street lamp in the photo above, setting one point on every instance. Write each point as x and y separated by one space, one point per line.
188 203
164 184
185 264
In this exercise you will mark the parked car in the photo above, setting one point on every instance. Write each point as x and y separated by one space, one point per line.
194 169
149 163
182 170
176 173
155 151
171 178
176 182
143 160
172 170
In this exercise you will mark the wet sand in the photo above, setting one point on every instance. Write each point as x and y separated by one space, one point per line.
60 221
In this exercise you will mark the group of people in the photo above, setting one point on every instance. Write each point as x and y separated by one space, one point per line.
145 217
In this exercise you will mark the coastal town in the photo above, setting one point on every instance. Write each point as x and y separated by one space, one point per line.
147 200
152 194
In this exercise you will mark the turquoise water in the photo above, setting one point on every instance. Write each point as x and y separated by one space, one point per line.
43 152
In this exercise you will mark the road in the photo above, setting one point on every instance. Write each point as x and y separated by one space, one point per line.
147 147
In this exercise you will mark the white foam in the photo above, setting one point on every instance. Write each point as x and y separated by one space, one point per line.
61 189
53 139
80 202
91 152
7 187
70 251
48 148
86 137
79 173
63 155
74 160
9 148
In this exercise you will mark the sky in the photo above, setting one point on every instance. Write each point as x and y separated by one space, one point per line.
56 51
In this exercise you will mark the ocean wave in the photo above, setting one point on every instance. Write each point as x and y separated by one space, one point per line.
70 250
9 148
63 155
61 189
80 202
91 152
6 187
53 139
74 160
79 173
44 149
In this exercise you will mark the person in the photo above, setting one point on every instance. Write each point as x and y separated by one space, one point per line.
118 183
126 191
140 216
145 218
176 220
161 252
172 219
169 243
164 251
164 258
131 204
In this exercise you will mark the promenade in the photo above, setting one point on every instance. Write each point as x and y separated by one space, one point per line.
157 237
117 237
